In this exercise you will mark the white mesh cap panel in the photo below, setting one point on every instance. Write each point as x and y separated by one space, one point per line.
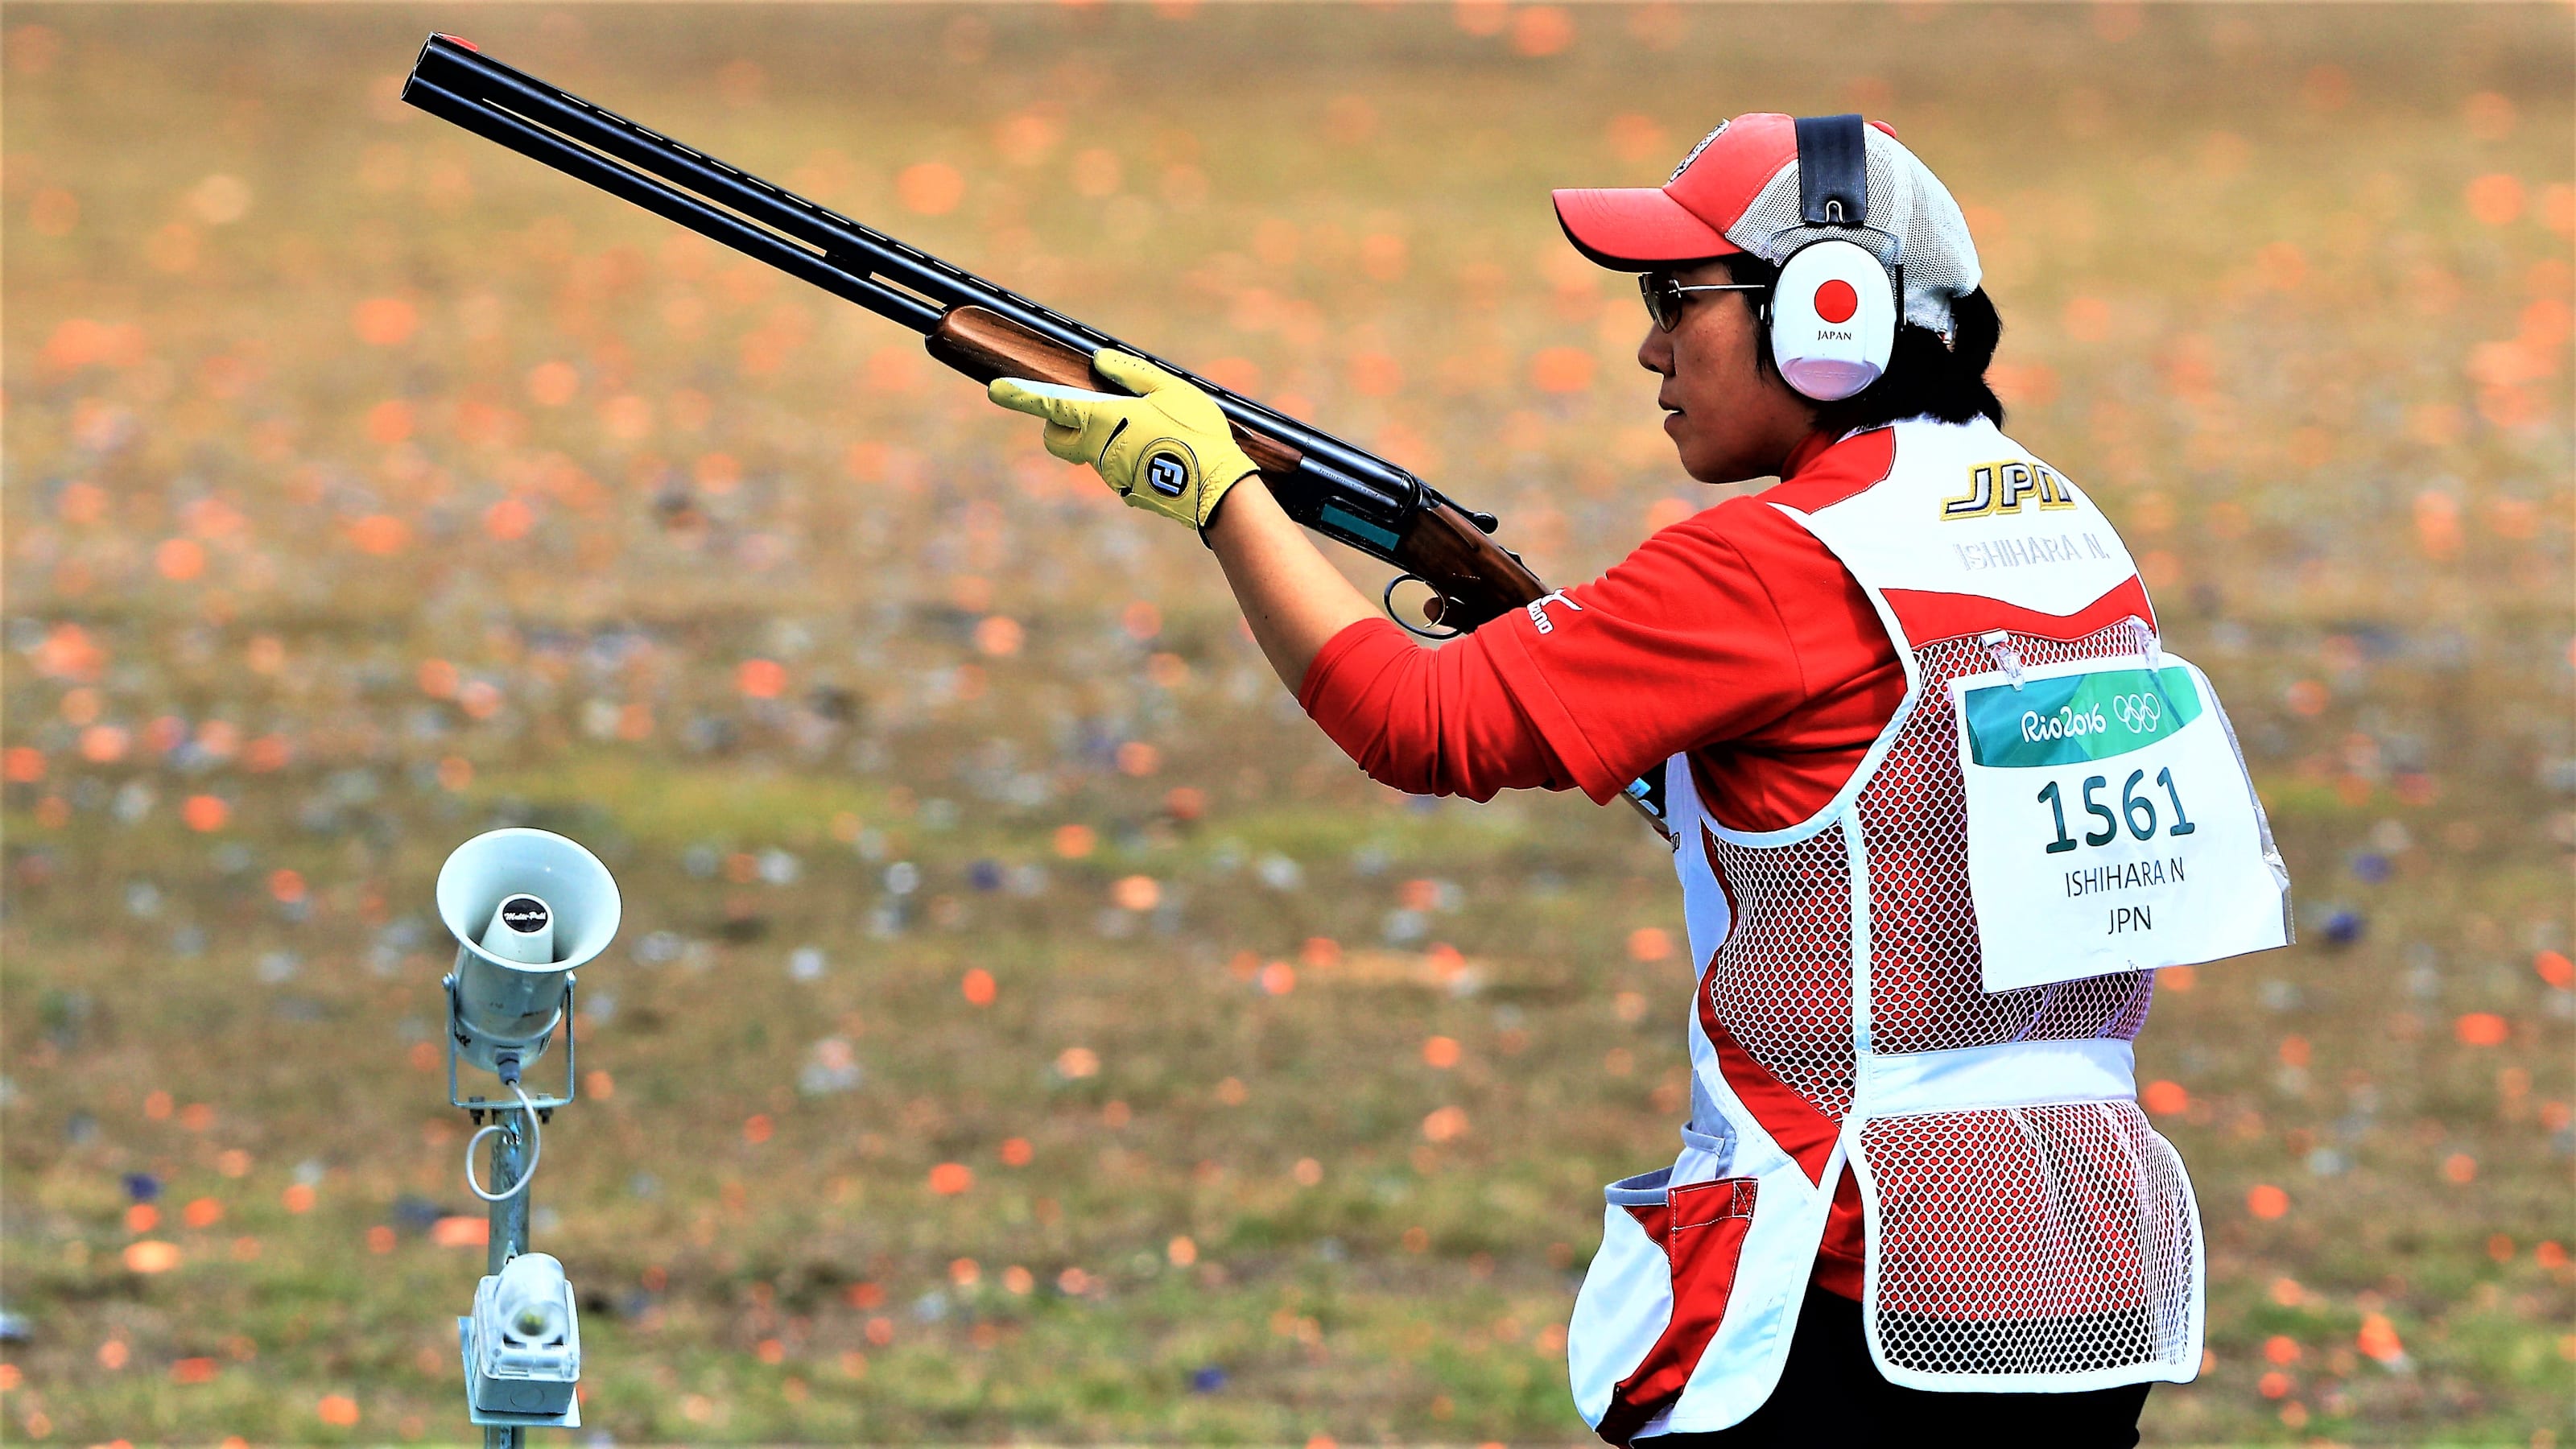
2042 1240
1926 984
1906 201
1781 982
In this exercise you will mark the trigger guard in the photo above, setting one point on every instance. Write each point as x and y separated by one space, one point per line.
1387 602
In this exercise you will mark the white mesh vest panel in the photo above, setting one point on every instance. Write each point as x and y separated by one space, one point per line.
2027 1230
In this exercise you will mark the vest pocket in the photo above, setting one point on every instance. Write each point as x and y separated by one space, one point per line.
1663 1278
2047 1247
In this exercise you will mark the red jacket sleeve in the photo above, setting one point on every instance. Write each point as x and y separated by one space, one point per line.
1694 639
1427 721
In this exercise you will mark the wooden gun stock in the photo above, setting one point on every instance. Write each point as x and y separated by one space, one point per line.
1471 577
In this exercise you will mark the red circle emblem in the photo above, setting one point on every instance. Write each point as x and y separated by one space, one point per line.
1836 301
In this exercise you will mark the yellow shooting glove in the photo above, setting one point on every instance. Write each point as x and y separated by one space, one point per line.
1167 449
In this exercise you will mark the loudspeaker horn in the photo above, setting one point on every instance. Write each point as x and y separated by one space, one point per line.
527 908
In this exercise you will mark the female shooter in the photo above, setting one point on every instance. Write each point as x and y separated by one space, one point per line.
1916 1196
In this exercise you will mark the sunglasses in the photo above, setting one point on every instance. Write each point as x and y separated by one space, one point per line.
1664 292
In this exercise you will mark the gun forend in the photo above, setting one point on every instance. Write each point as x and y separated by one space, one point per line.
986 345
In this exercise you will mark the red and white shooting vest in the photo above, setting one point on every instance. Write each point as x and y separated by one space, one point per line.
2026 1230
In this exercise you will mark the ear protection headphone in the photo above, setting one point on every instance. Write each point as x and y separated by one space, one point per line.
1833 313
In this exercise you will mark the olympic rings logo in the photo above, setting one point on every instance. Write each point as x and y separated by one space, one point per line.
2138 713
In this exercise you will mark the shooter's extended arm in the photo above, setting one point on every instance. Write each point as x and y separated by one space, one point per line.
969 323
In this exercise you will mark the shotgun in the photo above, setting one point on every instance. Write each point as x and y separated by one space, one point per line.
985 331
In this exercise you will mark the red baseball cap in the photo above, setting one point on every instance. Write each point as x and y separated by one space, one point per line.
1689 217
1738 191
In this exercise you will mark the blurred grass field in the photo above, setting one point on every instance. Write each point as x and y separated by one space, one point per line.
1025 1025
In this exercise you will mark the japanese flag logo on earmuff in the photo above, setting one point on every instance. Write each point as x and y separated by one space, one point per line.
1833 311
1833 319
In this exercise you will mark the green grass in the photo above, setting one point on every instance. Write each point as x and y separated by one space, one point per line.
2276 436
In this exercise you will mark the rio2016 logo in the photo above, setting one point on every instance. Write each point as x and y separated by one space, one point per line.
2061 718
2067 724
2139 714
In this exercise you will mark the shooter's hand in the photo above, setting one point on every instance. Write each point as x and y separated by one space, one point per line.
1167 449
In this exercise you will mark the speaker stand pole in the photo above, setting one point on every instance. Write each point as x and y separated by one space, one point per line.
508 1235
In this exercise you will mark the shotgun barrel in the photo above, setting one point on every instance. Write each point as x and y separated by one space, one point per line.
1342 491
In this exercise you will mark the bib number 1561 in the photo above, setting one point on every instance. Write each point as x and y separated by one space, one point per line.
2137 810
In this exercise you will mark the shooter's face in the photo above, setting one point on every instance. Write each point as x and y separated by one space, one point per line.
1728 416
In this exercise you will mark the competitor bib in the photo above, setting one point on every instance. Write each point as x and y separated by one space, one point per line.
2111 824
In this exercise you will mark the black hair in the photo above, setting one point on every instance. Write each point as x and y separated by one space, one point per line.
1925 375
